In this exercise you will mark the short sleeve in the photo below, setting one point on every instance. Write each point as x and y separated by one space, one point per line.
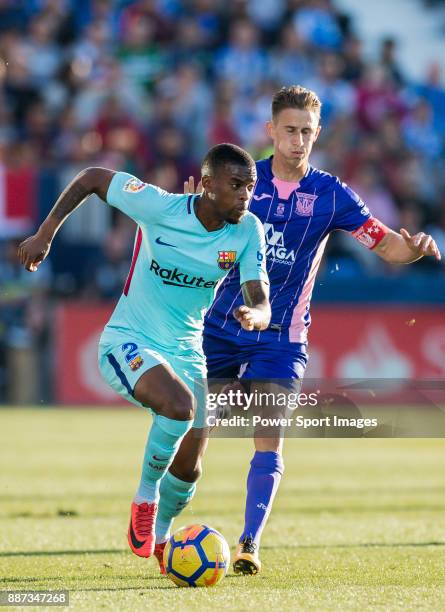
252 263
350 210
140 201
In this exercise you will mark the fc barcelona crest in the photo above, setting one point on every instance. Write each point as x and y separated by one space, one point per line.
226 259
305 204
136 363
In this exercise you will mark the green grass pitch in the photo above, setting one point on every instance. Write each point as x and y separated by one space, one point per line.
357 525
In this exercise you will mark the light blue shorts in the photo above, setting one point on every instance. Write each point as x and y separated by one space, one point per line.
124 357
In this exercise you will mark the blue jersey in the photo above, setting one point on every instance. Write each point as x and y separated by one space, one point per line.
297 219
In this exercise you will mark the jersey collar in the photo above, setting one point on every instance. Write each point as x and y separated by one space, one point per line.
270 175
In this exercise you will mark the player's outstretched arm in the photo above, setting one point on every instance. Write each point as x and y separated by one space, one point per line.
256 313
34 249
405 249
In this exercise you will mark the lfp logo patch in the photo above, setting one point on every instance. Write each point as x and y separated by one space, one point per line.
305 204
226 259
134 185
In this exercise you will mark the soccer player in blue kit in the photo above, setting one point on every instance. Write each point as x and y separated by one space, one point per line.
299 207
151 349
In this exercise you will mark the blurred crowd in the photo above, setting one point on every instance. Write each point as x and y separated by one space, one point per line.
146 86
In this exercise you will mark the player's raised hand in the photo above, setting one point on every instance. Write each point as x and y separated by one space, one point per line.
421 244
33 251
245 317
189 185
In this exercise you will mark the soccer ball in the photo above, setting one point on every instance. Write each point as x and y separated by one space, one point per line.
196 556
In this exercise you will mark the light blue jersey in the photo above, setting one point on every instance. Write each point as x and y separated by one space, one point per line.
176 269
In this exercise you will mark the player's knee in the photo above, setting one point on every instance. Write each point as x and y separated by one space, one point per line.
179 405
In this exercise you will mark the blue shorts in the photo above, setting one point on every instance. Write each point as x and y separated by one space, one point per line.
259 361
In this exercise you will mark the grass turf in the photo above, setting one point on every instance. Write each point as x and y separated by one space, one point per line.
357 524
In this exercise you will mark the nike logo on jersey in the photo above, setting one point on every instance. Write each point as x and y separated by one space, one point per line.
262 196
159 241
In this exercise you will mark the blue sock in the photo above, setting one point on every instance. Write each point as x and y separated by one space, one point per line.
264 477
175 495
163 441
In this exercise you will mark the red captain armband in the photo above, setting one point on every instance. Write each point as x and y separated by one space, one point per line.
370 233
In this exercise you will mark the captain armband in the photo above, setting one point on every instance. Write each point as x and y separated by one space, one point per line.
371 233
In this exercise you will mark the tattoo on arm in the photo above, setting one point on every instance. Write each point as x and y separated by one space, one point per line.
256 294
256 297
91 180
69 199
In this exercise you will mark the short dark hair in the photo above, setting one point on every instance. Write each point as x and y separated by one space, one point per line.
295 97
223 154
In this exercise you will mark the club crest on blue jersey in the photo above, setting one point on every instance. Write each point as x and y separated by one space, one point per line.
280 209
305 204
226 259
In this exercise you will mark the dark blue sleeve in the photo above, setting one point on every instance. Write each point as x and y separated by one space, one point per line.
350 210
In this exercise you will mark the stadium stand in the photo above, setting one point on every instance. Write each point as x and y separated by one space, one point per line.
147 86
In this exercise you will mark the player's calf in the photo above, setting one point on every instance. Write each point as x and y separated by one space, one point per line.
179 484
263 480
190 471
162 444
170 401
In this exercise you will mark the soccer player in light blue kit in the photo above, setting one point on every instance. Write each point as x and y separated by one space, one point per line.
151 349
